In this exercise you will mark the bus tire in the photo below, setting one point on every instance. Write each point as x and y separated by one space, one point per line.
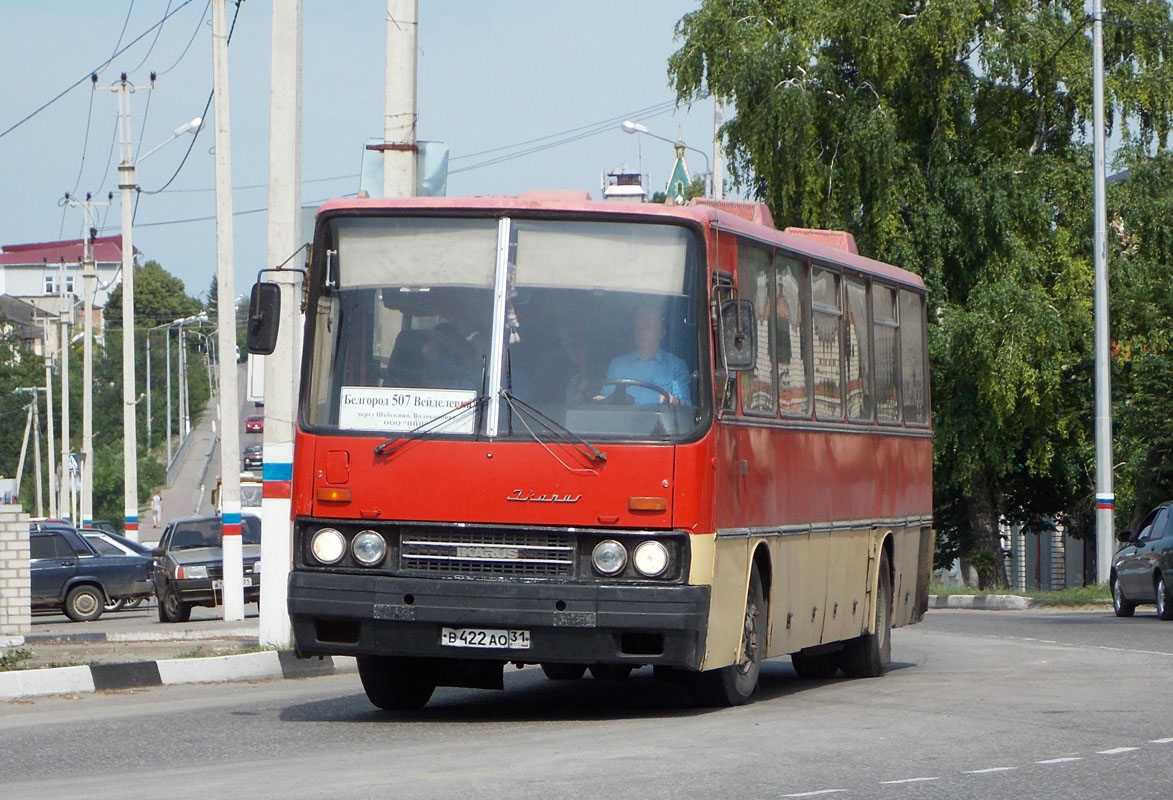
563 672
735 684
815 667
610 672
394 684
869 655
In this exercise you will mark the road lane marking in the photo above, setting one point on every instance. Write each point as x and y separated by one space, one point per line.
1168 740
1059 760
987 769
1116 750
815 793
908 780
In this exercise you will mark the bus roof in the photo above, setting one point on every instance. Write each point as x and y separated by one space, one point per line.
751 219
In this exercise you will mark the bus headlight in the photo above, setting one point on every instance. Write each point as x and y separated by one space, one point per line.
368 548
328 546
650 559
609 557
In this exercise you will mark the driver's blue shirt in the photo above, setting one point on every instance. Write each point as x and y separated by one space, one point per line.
663 369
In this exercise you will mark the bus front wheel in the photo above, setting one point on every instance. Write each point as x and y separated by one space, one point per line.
394 684
869 655
735 684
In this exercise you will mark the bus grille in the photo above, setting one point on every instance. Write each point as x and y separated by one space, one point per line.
483 552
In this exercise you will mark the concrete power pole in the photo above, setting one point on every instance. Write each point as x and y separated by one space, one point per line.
718 158
399 147
64 318
281 372
226 312
49 423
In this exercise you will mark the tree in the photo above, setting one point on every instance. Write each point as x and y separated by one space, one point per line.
950 138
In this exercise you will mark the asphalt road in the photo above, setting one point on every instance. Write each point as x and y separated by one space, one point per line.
1036 704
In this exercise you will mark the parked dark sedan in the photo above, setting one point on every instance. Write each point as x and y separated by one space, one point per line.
254 457
66 573
1142 570
189 565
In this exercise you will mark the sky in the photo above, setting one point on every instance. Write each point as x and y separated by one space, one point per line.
491 74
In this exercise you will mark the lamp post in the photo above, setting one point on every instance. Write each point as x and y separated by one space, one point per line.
126 182
632 127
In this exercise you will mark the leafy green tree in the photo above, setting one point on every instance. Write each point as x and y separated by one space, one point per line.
951 138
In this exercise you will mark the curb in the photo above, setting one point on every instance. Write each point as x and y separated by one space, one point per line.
987 602
264 665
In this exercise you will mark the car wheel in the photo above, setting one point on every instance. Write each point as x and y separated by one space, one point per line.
114 605
869 655
563 672
84 603
171 608
135 603
1121 606
395 684
1164 604
735 684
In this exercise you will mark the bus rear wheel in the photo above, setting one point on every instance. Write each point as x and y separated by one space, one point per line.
394 684
735 684
869 655
563 672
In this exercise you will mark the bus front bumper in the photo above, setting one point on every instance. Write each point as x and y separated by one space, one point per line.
350 614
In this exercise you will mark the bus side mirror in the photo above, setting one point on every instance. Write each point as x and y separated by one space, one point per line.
738 335
264 310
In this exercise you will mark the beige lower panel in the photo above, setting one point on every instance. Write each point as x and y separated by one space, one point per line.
799 591
729 573
911 546
848 581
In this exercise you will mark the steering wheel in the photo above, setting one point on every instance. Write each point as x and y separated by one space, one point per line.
621 385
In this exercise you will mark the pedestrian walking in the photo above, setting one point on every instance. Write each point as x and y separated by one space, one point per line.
156 509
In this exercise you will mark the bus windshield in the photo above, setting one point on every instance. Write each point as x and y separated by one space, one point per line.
511 328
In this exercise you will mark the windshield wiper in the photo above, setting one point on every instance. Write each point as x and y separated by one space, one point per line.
563 433
424 429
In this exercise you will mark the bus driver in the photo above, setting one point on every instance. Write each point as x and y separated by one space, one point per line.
650 364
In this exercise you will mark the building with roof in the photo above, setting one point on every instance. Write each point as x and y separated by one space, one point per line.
39 273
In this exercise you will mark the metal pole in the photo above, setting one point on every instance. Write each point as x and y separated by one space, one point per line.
281 372
147 336
226 310
184 428
399 147
1105 497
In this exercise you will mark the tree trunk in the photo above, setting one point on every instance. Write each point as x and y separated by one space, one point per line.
982 511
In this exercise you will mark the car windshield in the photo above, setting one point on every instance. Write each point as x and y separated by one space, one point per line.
207 532
597 325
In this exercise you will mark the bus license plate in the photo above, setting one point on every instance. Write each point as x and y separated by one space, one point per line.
484 637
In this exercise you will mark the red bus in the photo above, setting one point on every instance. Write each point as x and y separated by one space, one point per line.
601 436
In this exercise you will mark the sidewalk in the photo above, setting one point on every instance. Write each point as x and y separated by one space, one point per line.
190 491
65 658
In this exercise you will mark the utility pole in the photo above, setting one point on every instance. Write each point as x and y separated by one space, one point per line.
64 318
718 158
399 147
126 183
35 418
89 278
281 379
49 421
167 330
225 284
1105 496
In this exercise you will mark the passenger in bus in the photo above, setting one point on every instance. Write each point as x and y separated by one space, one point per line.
448 362
649 363
582 374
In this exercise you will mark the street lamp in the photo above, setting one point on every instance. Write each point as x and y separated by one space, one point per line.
632 127
126 182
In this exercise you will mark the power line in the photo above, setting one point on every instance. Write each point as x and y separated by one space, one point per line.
154 41
198 26
86 77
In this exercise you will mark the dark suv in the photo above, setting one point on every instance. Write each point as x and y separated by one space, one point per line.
66 573
189 565
1142 570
